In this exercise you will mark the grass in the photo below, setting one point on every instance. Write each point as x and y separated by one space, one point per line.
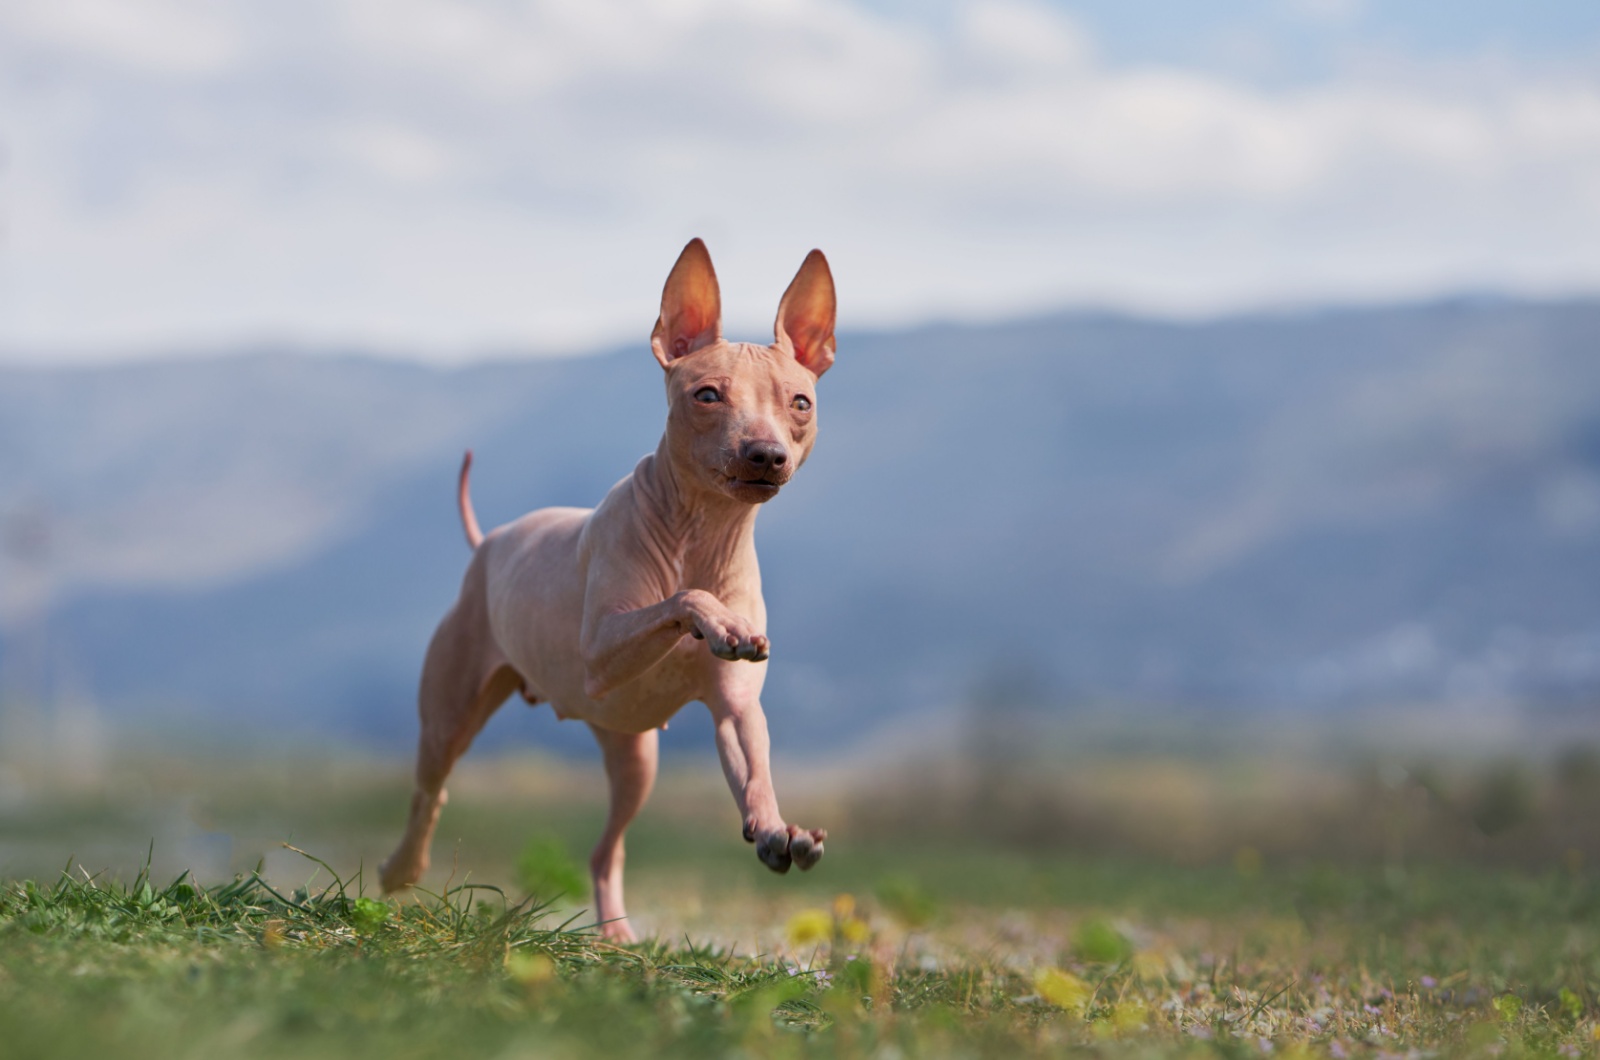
1002 955
1123 908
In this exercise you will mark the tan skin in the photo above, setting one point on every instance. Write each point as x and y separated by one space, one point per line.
623 615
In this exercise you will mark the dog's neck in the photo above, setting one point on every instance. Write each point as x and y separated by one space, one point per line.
702 537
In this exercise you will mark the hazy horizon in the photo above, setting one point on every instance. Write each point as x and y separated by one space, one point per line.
1324 510
488 355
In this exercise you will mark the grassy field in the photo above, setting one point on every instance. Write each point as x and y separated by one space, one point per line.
898 945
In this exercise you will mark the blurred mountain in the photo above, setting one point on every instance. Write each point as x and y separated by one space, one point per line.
1304 510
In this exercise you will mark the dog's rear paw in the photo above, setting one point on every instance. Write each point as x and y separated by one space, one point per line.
618 931
397 875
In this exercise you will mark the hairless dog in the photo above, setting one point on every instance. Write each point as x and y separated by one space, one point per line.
622 614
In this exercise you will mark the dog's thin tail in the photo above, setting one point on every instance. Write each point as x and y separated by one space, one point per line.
469 521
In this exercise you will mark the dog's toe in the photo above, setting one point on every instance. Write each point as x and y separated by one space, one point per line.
773 850
805 847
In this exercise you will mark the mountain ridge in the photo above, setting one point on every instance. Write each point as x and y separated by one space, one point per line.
1313 508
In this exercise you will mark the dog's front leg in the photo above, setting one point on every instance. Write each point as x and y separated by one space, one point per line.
746 753
620 643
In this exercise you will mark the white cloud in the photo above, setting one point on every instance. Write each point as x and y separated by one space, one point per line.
394 152
441 175
164 37
1024 35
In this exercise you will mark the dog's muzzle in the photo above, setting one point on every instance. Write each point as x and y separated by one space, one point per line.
761 469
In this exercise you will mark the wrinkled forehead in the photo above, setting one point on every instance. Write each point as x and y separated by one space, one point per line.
741 362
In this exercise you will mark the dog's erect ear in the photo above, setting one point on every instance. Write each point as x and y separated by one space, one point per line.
806 314
691 307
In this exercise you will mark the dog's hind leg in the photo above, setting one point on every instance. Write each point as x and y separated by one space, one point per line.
631 760
464 680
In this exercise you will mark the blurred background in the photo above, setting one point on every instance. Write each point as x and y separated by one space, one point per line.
1211 467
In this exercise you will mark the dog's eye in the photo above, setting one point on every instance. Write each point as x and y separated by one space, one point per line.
707 395
801 403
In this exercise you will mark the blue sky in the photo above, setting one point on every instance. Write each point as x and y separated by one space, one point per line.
1298 41
448 179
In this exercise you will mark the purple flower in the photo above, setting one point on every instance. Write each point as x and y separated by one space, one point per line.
1200 1032
1337 1050
1429 982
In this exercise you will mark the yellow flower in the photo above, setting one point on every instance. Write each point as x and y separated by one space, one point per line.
1148 964
854 929
844 906
810 927
1129 1014
1062 989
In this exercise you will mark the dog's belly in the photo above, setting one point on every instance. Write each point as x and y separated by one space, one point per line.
648 701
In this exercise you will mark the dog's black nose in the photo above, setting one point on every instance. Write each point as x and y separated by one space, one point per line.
764 454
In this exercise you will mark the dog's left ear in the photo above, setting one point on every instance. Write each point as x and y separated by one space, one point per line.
806 315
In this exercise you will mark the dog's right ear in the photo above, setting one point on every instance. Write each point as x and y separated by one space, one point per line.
691 307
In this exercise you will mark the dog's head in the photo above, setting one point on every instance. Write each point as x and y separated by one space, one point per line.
742 417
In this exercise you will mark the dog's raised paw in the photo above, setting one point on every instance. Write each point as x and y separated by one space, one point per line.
773 850
805 846
733 649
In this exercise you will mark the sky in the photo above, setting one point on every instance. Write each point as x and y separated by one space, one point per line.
449 179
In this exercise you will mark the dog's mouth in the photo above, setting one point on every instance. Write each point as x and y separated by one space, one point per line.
752 490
